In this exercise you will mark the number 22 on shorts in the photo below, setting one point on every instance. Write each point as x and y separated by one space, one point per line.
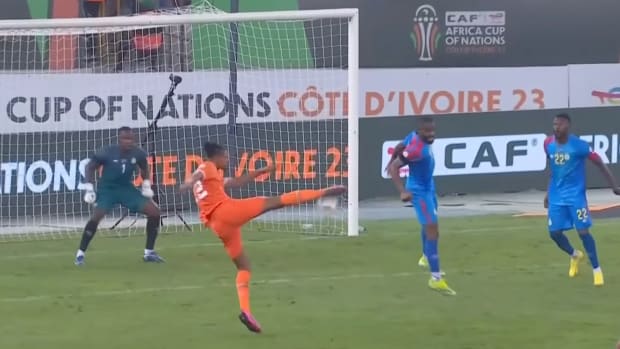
582 214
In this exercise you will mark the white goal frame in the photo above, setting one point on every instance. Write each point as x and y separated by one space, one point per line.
352 15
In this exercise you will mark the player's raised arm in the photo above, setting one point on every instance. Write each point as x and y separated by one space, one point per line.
596 160
247 178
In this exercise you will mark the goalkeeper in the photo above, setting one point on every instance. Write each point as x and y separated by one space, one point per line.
116 186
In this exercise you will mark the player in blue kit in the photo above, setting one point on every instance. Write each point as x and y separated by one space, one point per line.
119 163
415 151
566 197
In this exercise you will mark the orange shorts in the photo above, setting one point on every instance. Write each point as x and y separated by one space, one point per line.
228 218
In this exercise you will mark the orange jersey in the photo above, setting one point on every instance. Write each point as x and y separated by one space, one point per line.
209 192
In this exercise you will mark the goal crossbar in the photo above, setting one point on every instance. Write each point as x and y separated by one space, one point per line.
167 19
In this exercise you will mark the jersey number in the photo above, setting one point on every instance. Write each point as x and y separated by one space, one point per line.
560 158
124 168
200 191
582 214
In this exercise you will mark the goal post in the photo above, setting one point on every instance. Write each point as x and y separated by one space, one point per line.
69 84
353 227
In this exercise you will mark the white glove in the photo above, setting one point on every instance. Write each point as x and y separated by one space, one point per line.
89 196
147 192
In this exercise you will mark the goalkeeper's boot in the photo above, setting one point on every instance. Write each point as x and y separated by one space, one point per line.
250 322
573 269
79 260
153 257
598 278
441 286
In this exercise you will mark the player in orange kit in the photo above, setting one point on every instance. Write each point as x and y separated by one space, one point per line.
225 216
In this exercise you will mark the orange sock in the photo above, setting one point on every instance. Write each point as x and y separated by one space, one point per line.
300 196
243 289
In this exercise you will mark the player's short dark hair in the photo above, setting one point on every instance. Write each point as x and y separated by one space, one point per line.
213 149
564 116
124 129
424 120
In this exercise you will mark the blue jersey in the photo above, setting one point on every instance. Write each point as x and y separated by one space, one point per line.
419 157
568 170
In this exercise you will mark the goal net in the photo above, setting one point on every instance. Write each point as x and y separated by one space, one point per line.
273 87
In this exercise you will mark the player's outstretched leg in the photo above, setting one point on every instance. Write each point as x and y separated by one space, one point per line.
431 251
238 212
299 197
576 256
153 221
88 234
590 246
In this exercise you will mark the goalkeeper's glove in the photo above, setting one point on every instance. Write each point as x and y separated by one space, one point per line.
147 192
89 196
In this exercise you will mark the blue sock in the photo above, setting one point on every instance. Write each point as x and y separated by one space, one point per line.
431 253
590 246
562 241
423 236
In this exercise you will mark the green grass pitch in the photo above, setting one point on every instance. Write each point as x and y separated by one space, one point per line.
315 293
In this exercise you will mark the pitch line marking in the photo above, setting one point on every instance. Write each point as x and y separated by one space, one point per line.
181 288
471 231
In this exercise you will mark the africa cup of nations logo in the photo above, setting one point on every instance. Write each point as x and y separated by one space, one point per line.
425 34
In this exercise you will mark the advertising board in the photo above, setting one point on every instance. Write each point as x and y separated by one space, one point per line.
487 152
83 102
44 178
481 33
594 85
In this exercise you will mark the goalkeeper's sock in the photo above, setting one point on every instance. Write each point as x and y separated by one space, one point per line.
243 289
590 246
301 196
152 229
562 241
88 234
432 255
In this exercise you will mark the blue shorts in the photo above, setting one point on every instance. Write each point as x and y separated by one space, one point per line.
425 206
567 217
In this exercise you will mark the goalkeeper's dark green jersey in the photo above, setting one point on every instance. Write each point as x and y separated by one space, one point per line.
118 166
